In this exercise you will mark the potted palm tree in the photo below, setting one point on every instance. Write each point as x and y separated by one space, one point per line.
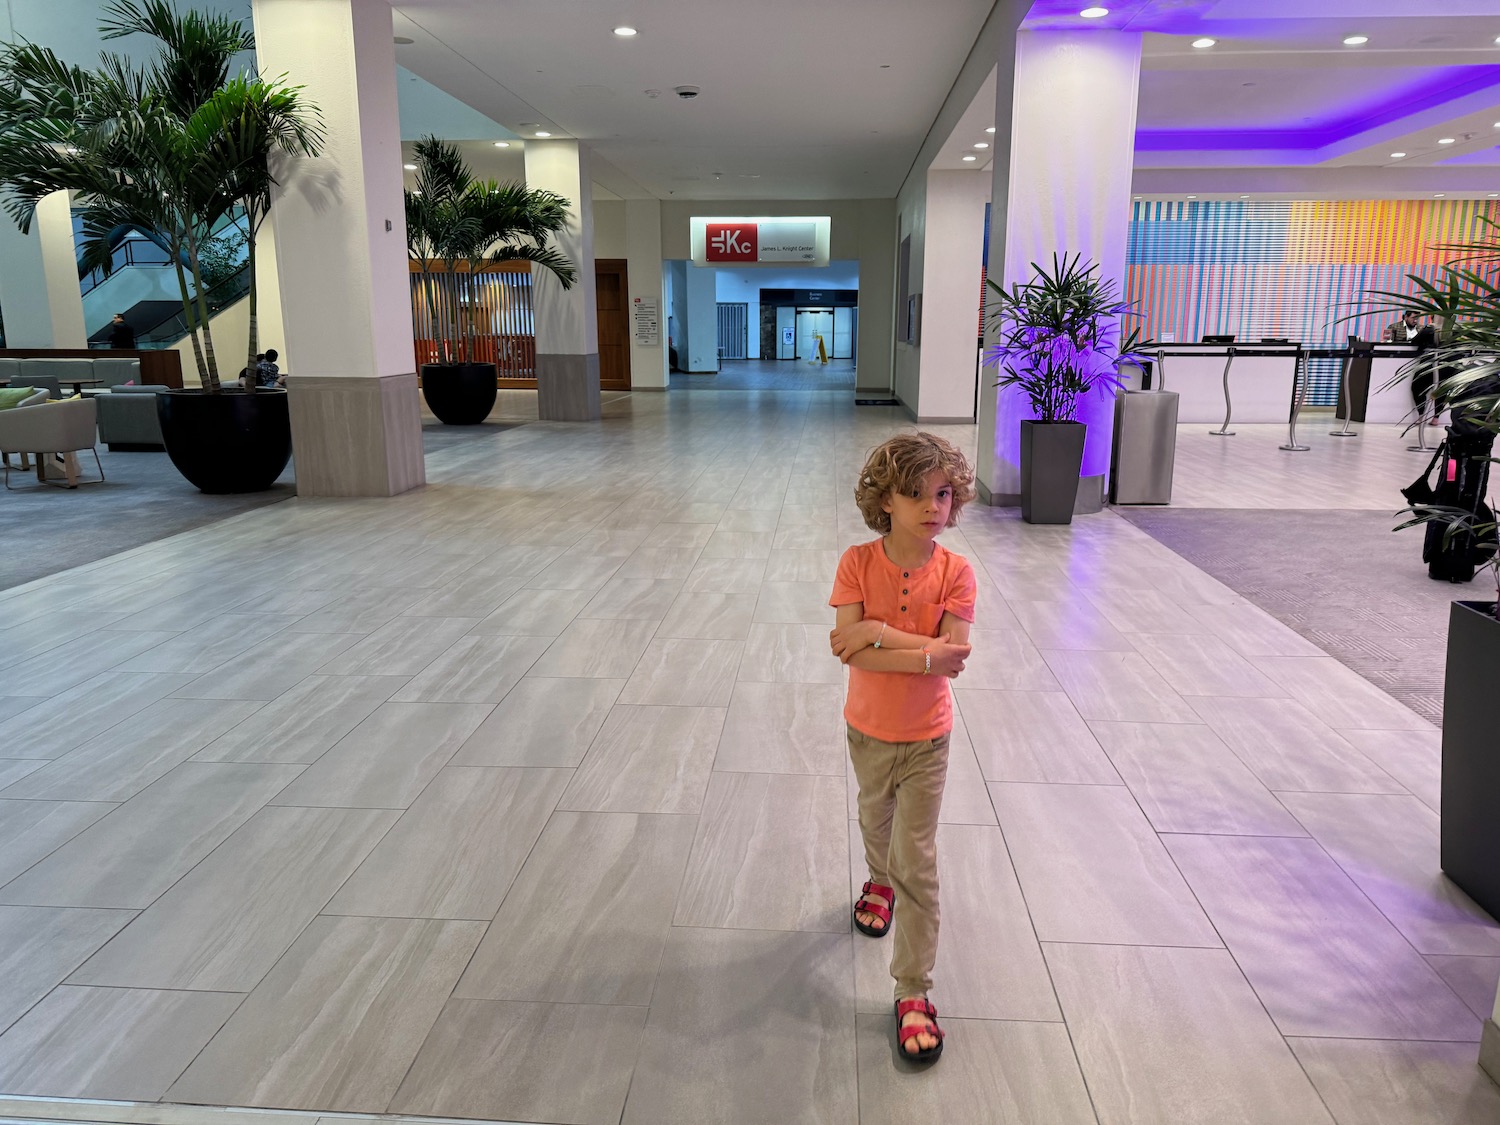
1465 304
1056 343
174 147
455 224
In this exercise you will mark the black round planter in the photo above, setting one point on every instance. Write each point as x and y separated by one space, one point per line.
460 394
234 441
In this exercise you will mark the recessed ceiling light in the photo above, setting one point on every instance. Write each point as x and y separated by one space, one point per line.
971 158
982 144
1497 39
1356 40
1440 195
1192 197
1244 197
410 167
1093 13
991 129
1397 155
543 133
502 144
1204 42
1447 140
626 32
1495 195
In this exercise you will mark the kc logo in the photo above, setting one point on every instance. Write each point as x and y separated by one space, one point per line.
732 242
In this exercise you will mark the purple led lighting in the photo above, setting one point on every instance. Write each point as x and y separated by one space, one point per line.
1393 105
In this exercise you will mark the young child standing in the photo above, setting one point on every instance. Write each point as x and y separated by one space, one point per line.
905 604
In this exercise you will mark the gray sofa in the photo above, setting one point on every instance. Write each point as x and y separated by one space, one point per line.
55 373
128 420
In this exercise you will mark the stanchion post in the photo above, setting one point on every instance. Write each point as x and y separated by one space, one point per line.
1299 392
1224 430
1344 430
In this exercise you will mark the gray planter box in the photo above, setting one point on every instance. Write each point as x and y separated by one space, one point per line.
1471 754
1051 457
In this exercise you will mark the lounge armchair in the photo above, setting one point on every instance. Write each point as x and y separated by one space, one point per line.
48 429
128 420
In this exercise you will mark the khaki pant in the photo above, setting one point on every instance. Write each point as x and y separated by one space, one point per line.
900 793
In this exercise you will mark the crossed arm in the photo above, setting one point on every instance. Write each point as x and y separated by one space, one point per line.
853 642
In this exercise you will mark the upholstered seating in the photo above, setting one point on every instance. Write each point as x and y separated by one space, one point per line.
128 420
50 428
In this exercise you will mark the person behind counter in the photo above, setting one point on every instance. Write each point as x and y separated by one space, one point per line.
1405 330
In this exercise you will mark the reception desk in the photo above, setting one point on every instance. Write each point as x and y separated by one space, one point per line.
1235 382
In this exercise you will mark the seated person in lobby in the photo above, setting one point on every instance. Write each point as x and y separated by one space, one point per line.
1405 330
267 374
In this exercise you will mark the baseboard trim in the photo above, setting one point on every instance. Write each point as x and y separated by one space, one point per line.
967 420
1489 1050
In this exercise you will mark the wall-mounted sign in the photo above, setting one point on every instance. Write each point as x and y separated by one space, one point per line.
763 240
645 313
788 336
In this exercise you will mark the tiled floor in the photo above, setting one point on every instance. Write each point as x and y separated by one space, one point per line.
523 798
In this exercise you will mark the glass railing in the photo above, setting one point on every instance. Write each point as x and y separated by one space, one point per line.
218 297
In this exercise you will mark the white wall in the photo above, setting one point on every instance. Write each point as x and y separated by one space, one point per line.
609 228
911 208
953 256
744 286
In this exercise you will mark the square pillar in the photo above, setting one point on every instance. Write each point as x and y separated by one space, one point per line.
567 320
39 292
643 264
340 248
1064 158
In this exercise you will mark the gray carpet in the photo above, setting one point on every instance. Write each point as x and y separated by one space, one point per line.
1342 579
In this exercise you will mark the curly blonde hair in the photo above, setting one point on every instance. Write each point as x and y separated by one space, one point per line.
899 464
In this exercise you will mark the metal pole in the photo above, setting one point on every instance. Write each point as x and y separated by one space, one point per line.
1345 431
1421 446
1299 392
1224 430
1161 371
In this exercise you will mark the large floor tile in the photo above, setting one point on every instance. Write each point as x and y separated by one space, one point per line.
586 919
726 576
478 669
1093 870
1143 610
709 616
537 613
542 722
1475 979
270 668
1386 1082
575 572
738 1013
783 653
966 799
388 759
123 760
224 925
300 726
130 857
648 760
495 1060
1116 687
1032 736
30 830
1186 780
633 599
989 965
801 565
784 728
594 648
1322 959
402 647
338 1022
13 769
1199 665
726 544
1005 660
117 1043
49 728
40 946
1290 749
769 855
1176 1037
991 1071
795 603
1412 757
209 645
684 673
1389 846
1251 631
1340 696
1073 624
361 610
455 852
69 665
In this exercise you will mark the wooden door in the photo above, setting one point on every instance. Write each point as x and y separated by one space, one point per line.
614 323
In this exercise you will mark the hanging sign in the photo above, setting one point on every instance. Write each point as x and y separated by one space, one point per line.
646 312
760 240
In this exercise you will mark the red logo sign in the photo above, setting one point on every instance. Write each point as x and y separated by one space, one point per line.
731 242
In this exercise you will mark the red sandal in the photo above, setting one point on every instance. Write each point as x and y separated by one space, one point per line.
865 906
923 1005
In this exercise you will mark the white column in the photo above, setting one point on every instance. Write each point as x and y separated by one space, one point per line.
340 249
39 293
643 265
698 347
567 320
1069 110
952 258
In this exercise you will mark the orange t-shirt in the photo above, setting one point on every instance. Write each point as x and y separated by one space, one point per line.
902 706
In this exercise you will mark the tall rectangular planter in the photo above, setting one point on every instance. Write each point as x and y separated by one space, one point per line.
1470 829
1051 458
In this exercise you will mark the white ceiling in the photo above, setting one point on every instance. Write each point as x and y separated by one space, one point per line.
799 101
